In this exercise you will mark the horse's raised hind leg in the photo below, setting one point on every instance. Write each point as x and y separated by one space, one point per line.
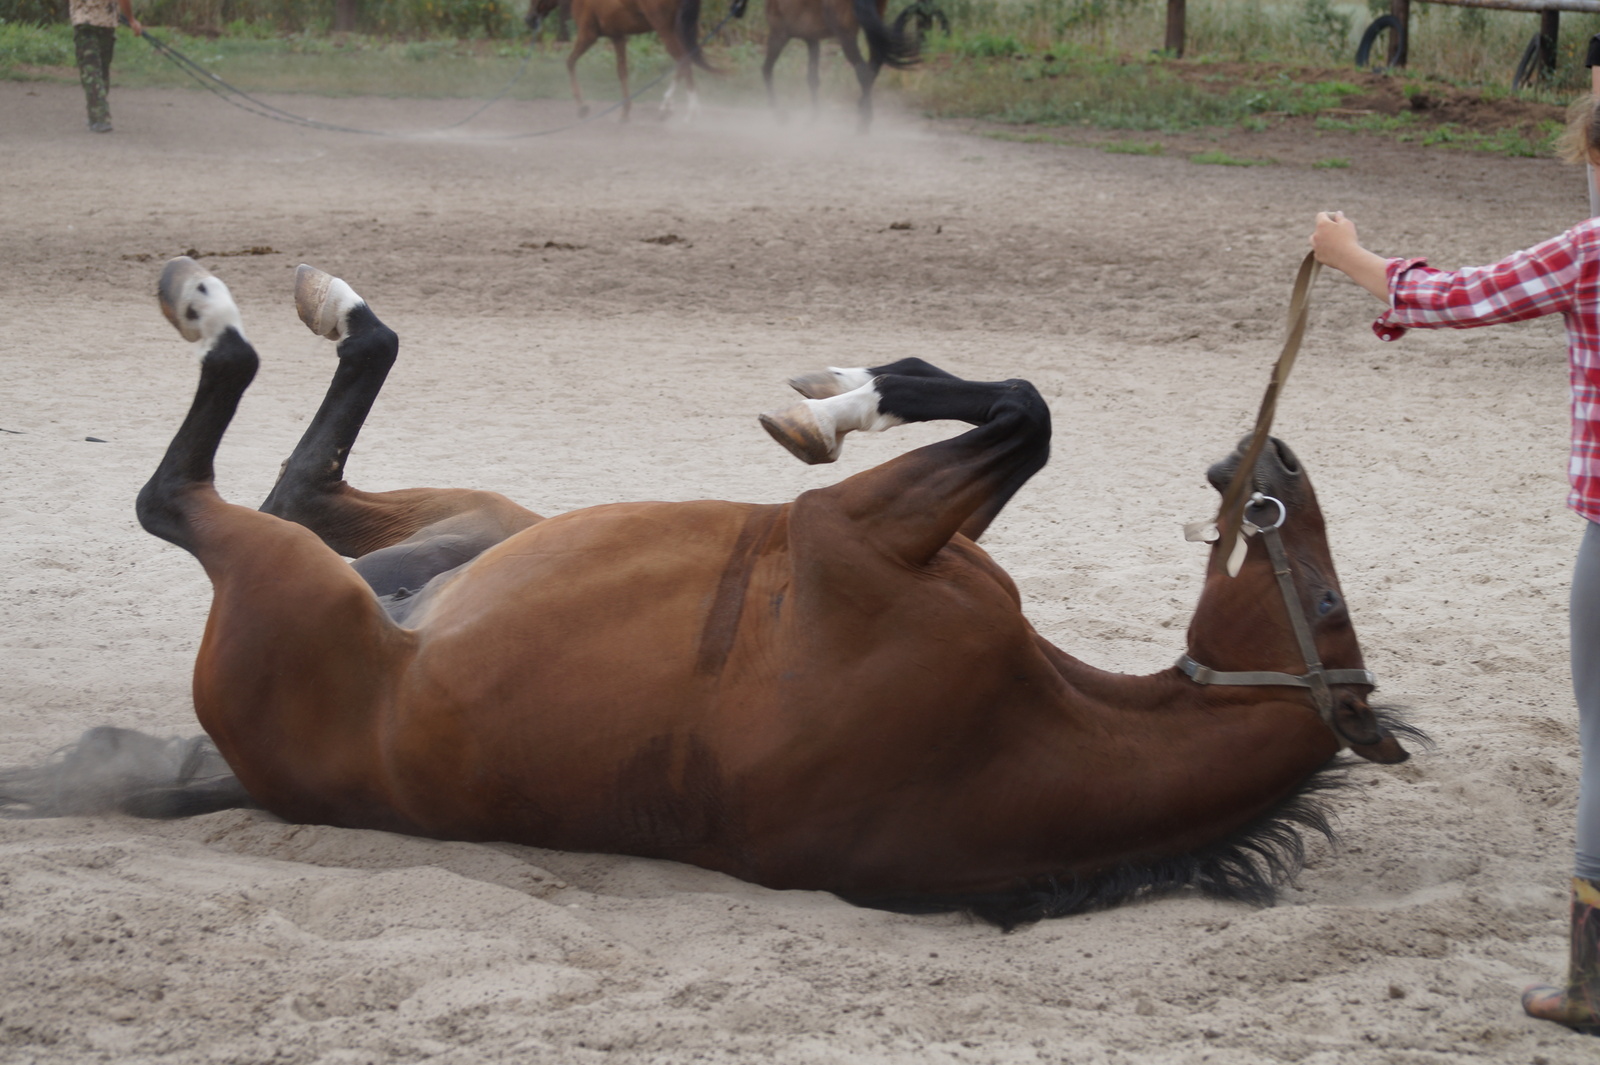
296 649
400 538
974 475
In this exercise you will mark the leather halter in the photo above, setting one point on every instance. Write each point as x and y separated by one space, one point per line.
1316 678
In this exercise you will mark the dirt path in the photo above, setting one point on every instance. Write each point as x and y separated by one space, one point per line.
556 347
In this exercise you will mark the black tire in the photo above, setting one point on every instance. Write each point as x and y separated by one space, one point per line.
913 24
1396 53
1531 67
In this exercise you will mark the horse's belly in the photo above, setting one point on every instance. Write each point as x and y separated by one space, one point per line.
622 23
661 687
805 21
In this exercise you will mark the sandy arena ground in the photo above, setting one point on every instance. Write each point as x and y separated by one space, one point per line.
552 351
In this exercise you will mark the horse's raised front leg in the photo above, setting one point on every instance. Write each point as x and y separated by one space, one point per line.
401 538
915 503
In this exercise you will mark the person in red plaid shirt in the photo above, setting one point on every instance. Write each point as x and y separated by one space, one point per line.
1559 276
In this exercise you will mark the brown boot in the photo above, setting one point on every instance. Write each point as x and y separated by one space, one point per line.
1578 1004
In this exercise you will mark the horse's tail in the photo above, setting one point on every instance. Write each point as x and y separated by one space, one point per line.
885 46
688 25
118 770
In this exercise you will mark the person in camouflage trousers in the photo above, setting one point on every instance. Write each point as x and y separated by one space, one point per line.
94 34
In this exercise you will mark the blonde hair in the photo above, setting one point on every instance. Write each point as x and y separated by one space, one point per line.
1580 141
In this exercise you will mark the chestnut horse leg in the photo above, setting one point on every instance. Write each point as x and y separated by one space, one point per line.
666 27
915 503
399 539
588 33
619 44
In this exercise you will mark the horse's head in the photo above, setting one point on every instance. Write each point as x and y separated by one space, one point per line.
537 10
1243 624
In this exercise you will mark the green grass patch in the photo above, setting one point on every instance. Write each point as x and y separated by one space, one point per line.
1135 148
1022 138
1068 87
1339 163
1216 157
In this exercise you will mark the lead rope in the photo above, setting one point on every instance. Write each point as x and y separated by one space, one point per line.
236 97
1230 513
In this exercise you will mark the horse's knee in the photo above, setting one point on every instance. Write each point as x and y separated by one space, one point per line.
1020 399
292 499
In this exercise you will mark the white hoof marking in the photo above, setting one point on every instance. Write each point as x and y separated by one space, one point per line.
324 302
198 303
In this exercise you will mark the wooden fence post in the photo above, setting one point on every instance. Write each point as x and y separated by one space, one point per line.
1175 28
1401 10
1550 30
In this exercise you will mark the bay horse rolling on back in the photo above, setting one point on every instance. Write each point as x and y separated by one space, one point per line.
836 693
676 22
814 21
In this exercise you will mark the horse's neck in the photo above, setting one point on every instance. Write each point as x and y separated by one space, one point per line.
1176 764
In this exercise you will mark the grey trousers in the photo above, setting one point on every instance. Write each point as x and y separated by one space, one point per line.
1586 687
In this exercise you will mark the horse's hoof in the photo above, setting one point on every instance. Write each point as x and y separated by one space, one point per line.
583 110
806 431
322 301
195 300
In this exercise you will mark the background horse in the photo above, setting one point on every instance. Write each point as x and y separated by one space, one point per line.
676 22
812 21
837 693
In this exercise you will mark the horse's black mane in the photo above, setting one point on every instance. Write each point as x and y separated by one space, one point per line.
1249 866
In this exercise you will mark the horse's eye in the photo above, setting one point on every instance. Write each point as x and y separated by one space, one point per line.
1328 601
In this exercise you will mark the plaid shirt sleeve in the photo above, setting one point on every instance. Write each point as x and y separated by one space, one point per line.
1541 280
1559 276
